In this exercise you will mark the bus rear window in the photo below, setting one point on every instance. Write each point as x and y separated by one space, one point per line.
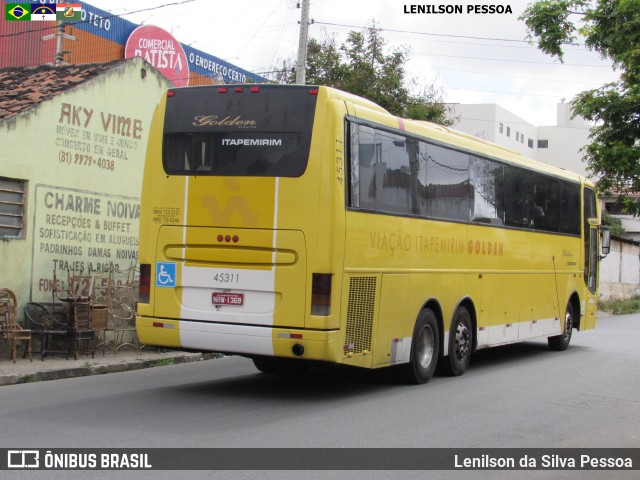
237 154
261 132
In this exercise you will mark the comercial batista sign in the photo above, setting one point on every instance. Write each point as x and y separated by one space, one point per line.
180 63
176 61
160 49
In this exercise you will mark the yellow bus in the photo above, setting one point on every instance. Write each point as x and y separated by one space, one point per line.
301 224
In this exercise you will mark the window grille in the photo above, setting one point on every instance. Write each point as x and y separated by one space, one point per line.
12 199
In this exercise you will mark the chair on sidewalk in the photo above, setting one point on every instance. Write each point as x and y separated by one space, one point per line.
10 330
49 322
119 297
81 331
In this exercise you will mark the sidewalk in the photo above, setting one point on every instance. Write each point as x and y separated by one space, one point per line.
55 367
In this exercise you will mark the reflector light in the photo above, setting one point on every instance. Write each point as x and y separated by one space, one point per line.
222 90
144 283
162 325
321 294
228 238
255 89
171 93
239 89
296 336
313 91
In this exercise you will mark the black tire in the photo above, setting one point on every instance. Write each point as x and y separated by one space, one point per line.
560 343
460 343
291 366
265 364
425 348
285 366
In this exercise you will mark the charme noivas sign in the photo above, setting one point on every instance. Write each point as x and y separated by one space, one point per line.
160 49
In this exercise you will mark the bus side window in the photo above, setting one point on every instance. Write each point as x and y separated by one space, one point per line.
487 202
519 204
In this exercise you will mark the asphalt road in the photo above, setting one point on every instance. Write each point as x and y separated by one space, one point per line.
517 396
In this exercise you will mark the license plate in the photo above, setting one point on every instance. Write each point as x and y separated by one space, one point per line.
234 299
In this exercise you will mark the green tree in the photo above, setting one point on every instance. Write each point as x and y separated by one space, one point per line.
361 66
611 28
613 224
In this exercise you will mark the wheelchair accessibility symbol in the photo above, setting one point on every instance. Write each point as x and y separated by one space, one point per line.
165 274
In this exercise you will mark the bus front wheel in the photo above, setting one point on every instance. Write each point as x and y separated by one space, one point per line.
425 347
460 343
561 342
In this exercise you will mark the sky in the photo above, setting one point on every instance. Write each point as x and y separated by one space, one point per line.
472 57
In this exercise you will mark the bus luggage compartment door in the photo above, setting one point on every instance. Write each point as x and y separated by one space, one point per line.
231 275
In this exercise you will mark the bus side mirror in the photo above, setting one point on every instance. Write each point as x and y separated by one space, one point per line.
606 242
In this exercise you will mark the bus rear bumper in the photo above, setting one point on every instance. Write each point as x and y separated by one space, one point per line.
320 345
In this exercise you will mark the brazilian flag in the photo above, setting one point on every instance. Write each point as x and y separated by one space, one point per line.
18 11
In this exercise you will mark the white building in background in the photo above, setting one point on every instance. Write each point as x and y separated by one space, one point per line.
557 145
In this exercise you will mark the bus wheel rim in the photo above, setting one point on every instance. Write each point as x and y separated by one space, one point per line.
568 326
462 341
426 346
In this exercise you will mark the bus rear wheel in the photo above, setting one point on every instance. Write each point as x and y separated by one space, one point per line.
560 343
425 348
460 343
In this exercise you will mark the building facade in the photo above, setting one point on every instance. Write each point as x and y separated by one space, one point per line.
76 100
74 144
103 37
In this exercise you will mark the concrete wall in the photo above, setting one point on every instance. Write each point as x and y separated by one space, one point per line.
565 143
493 123
82 154
620 271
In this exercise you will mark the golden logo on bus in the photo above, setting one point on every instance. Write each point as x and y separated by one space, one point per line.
228 121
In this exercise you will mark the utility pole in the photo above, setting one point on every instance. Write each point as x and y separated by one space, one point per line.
59 35
302 44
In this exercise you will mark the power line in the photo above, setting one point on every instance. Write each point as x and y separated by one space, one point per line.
475 72
504 93
425 33
512 61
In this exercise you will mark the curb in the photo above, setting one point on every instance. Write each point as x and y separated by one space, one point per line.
138 364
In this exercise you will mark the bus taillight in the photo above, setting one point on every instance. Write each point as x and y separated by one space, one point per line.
222 90
145 283
321 294
255 89
171 93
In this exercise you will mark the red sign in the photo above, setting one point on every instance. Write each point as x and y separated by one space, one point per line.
160 49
